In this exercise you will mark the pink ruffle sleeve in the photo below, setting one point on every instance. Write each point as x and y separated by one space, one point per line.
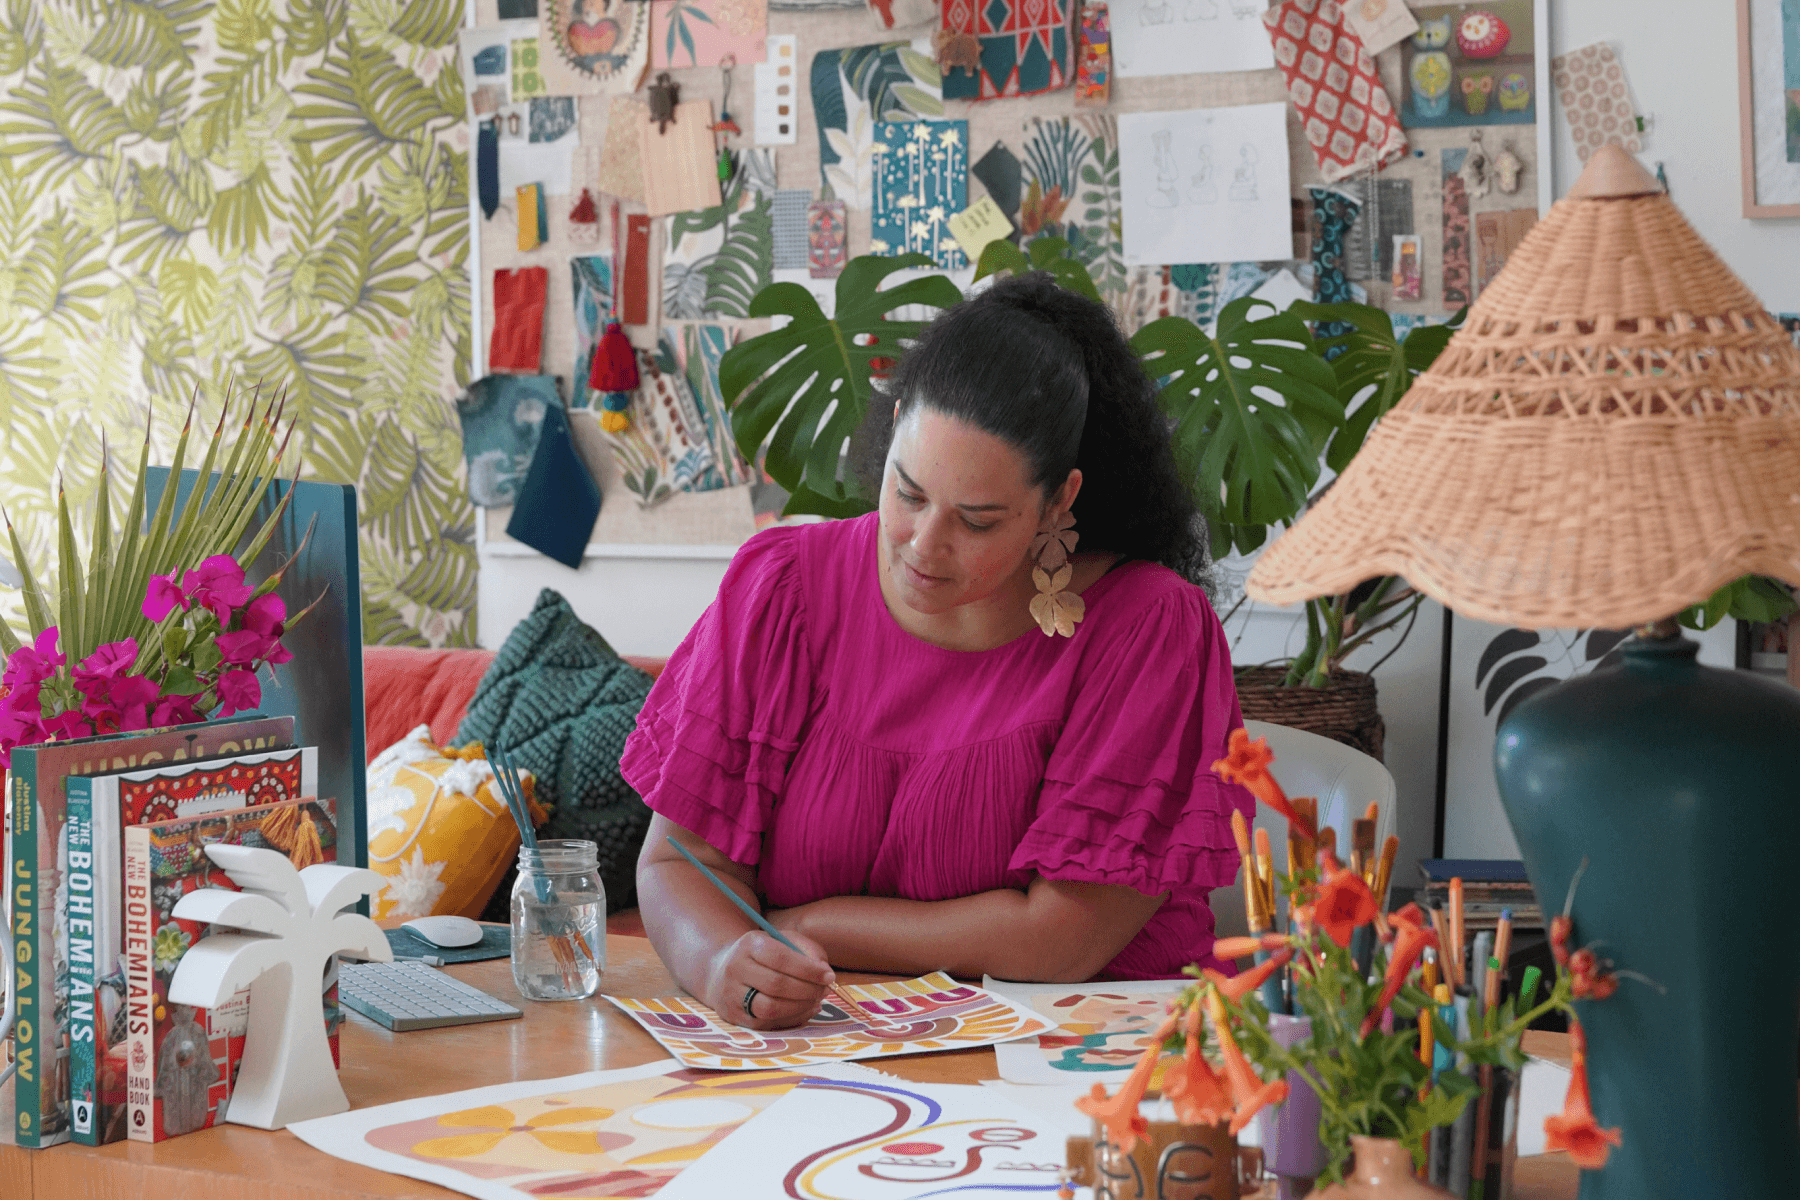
714 740
1129 797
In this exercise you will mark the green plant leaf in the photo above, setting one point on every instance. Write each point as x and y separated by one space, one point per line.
365 103
1046 254
743 265
55 119
804 388
1751 598
1253 407
429 23
1375 369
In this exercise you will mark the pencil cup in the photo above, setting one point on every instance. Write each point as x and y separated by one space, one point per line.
558 921
1290 1133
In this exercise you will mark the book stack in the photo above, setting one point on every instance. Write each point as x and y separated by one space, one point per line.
1490 886
104 835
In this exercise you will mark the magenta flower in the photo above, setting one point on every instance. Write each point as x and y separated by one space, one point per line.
175 710
218 583
238 690
246 647
36 662
266 614
68 726
162 596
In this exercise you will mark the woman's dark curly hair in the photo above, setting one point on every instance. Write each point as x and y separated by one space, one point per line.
1048 371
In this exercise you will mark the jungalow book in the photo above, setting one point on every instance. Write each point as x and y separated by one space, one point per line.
35 1102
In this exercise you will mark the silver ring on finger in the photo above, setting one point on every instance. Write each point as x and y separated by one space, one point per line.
750 995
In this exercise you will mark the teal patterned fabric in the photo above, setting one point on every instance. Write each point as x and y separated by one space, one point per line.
1334 212
561 702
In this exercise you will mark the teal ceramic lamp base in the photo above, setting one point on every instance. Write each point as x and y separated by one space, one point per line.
1680 786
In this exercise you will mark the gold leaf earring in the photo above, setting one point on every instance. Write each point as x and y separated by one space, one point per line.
1054 608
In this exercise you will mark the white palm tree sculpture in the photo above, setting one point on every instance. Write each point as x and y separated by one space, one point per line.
289 925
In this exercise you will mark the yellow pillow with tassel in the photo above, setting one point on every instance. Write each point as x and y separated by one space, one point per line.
439 829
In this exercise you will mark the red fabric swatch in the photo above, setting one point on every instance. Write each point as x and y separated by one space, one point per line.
1349 120
634 304
517 343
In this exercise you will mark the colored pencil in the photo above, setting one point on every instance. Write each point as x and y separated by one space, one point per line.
1457 964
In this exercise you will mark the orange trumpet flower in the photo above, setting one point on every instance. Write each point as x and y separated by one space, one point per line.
1343 903
1248 1093
1232 949
1247 762
1238 986
1119 1112
1191 1085
1410 939
1575 1129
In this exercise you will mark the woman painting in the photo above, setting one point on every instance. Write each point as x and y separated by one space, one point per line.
870 736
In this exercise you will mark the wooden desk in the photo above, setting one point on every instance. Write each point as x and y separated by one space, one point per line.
235 1163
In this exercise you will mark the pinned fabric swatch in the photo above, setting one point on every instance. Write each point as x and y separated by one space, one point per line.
559 501
787 220
1024 47
1379 24
702 347
621 169
681 171
704 33
666 447
921 178
502 417
634 296
717 259
487 168
1590 82
584 53
517 343
1093 56
1335 89
1387 212
827 249
1456 229
1058 157
998 171
591 280
1334 212
855 88
533 230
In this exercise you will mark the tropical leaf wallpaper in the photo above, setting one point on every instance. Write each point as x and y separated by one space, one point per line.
202 194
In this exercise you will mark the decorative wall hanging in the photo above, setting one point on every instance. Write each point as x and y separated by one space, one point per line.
1335 89
517 341
559 501
1093 56
826 238
1188 37
1206 185
778 92
706 33
1470 66
702 346
501 418
1507 169
921 180
855 88
1023 47
680 172
1596 100
593 47
621 166
1456 230
584 220
1070 168
716 259
1475 174
1379 24
1768 81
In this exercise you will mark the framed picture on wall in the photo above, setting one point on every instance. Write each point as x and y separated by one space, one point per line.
1769 106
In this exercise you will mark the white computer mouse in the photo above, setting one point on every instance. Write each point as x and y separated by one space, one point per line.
447 932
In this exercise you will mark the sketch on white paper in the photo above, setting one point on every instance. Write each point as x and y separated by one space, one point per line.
1166 222
1189 37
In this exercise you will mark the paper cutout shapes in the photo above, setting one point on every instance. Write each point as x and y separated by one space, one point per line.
1188 37
626 1132
1093 56
517 341
502 416
1335 89
621 169
1022 47
1596 100
778 92
592 47
856 88
1379 24
1205 185
1469 66
826 239
704 33
933 1012
921 178
1100 1030
982 222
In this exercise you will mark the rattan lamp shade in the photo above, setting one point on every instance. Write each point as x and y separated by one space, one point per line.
1613 435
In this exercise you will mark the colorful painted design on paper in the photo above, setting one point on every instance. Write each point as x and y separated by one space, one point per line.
1596 100
830 1139
827 246
502 416
702 348
1093 57
1335 89
933 1012
1456 231
1024 47
718 258
1470 65
591 280
855 89
921 181
704 33
609 1134
590 47
1070 168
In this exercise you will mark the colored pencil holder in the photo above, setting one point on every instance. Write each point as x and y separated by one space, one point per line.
1290 1133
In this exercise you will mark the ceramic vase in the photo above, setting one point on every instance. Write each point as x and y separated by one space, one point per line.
1383 1171
1171 1161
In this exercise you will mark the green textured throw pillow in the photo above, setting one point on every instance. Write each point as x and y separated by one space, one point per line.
561 702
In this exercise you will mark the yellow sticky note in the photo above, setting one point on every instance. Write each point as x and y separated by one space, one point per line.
978 225
529 200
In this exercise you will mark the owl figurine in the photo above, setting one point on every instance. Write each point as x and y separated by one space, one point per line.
1475 92
1430 71
1514 94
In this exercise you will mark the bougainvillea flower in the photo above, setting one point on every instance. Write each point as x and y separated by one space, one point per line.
245 647
1190 1084
68 726
238 690
1249 1094
218 584
175 710
162 596
131 696
1575 1129
1343 903
94 675
36 662
1232 949
1410 939
1237 987
266 614
1119 1112
1247 762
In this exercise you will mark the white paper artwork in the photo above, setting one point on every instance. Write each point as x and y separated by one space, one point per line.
1189 37
1209 185
1101 1029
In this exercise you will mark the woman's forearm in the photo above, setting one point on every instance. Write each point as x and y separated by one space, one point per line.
687 920
1054 932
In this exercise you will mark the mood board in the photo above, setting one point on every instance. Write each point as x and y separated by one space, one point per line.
1178 190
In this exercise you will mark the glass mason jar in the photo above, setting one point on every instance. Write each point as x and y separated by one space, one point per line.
558 921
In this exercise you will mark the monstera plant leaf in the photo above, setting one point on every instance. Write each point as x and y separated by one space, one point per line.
803 388
1253 405
1376 367
1046 254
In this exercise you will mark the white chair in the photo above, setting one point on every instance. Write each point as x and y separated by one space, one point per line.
1342 778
